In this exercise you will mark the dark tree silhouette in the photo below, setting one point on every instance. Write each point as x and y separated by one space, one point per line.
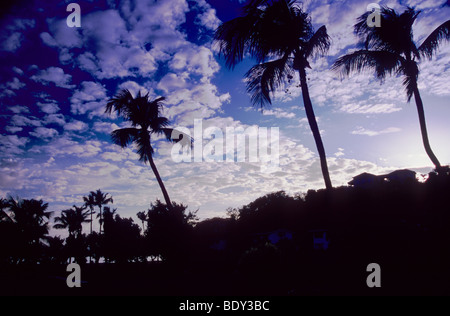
28 223
98 198
390 49
169 231
143 217
89 201
281 38
122 237
145 118
73 220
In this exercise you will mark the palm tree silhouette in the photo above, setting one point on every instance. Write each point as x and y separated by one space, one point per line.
97 198
89 201
390 49
73 219
146 120
108 216
281 38
31 218
143 217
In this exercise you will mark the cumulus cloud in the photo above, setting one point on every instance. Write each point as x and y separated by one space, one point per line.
48 108
76 126
54 75
12 144
44 133
90 98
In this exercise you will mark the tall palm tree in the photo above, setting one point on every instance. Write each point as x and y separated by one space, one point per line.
390 49
98 198
89 201
73 220
281 38
145 117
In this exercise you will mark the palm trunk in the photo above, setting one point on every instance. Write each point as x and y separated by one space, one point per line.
100 219
91 220
314 128
160 182
423 128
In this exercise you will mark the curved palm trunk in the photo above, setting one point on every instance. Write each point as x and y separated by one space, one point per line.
160 182
314 128
423 128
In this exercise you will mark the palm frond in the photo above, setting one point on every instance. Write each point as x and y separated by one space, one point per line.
395 34
175 136
119 103
381 62
144 147
410 70
265 78
237 37
124 136
318 44
431 43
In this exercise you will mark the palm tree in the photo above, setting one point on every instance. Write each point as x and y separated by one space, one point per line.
89 201
390 49
73 219
31 218
143 217
97 198
108 217
145 117
281 38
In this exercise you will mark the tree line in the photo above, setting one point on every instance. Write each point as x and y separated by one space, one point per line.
176 234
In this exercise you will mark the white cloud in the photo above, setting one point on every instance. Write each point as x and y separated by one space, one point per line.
48 39
278 113
54 119
105 127
354 108
134 88
54 75
12 144
48 108
44 133
76 126
13 129
11 37
17 109
20 120
15 84
90 98
362 131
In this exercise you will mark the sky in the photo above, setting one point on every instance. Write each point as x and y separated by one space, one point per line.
55 81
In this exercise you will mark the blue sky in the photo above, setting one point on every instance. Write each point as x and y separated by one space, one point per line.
55 81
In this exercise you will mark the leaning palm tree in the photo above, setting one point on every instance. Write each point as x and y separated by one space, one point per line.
390 49
73 220
97 198
281 38
146 121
